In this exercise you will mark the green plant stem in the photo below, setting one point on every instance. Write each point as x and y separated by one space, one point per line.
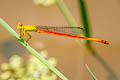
69 18
93 76
66 13
31 50
85 20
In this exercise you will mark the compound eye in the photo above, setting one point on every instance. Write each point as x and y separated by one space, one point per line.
19 24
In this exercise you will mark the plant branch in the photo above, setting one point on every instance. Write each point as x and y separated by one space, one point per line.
69 18
31 50
85 20
66 13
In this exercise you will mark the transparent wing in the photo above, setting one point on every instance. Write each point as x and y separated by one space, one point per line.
65 29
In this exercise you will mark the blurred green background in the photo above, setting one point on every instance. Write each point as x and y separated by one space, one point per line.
70 53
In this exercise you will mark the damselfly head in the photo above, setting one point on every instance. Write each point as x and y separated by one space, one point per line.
19 26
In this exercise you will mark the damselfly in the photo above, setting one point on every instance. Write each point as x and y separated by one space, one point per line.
61 31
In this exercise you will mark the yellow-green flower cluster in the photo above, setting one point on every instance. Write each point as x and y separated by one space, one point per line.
32 69
45 3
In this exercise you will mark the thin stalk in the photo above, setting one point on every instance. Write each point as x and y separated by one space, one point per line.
66 13
85 19
91 73
31 50
69 18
